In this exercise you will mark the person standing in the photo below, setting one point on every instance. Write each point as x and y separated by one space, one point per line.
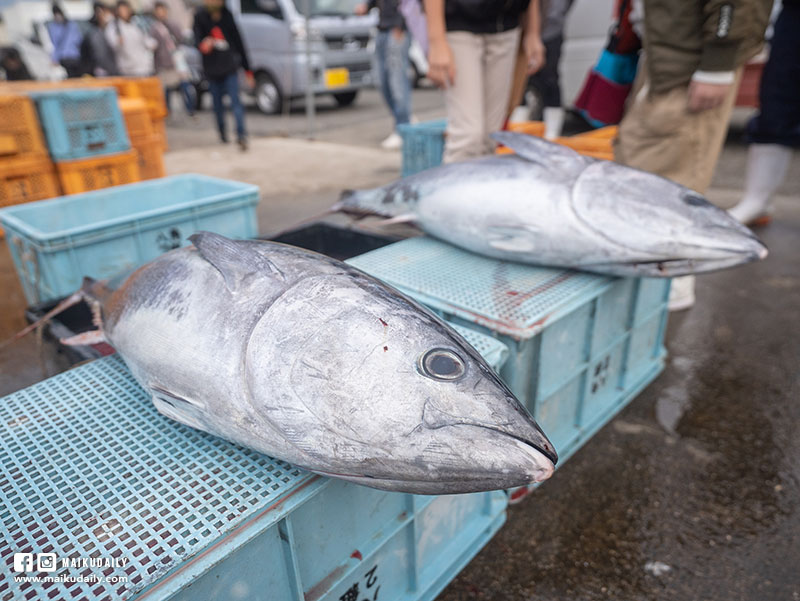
132 47
224 54
167 55
684 93
473 46
96 54
391 53
66 38
775 131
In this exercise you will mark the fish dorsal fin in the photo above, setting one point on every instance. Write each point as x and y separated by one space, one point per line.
236 260
538 150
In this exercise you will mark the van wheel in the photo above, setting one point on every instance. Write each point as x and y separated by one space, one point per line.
345 98
267 94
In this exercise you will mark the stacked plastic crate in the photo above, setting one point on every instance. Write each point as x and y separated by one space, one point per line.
151 91
146 141
26 171
87 139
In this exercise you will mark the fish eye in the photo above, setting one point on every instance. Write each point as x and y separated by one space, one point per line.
442 364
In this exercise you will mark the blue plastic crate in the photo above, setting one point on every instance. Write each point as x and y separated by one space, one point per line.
89 468
81 123
423 145
55 243
581 345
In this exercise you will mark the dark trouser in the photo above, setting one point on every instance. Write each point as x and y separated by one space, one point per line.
546 82
227 86
73 66
778 120
188 98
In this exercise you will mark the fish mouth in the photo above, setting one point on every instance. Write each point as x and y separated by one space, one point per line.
517 462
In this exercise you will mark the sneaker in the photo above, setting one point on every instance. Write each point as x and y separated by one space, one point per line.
242 142
681 293
393 142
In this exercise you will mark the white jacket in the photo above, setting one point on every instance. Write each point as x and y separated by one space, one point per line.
132 47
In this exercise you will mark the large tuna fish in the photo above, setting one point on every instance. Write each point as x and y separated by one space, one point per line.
549 205
310 360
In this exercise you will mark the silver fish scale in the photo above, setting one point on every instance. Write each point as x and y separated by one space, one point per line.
514 297
107 463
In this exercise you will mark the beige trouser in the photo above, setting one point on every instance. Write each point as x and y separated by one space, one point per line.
477 102
660 135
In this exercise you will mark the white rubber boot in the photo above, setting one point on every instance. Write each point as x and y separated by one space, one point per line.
767 165
681 293
553 121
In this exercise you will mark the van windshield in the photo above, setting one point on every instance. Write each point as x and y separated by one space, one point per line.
333 8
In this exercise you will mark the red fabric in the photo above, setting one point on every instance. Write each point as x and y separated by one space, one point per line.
217 34
602 99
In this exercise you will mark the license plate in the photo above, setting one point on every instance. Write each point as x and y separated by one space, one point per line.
337 78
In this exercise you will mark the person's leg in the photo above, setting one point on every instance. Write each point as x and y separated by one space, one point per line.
167 96
775 130
217 89
767 166
381 65
658 134
232 90
464 99
397 67
188 101
498 68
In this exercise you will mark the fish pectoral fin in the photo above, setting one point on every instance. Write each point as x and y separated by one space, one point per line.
236 260
405 218
512 238
541 151
84 338
179 408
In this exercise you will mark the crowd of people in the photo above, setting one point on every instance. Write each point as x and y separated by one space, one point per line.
119 42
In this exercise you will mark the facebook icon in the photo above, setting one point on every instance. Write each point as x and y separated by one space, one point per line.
23 562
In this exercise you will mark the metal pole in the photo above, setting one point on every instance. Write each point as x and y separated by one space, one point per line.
310 106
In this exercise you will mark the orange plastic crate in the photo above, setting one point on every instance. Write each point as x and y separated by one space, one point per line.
596 144
151 157
98 172
160 128
19 127
27 178
151 90
137 118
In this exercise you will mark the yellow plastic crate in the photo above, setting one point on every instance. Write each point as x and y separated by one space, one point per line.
98 172
19 127
27 178
151 156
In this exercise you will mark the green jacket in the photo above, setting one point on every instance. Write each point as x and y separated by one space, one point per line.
684 36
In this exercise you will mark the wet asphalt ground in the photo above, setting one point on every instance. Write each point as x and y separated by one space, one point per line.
691 493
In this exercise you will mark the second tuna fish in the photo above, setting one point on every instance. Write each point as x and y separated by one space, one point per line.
548 205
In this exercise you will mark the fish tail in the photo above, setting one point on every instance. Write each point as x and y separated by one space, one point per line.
361 203
95 293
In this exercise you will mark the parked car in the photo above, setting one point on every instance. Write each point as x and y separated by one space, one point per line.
275 35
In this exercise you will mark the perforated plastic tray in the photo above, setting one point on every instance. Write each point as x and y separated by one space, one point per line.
89 468
507 298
